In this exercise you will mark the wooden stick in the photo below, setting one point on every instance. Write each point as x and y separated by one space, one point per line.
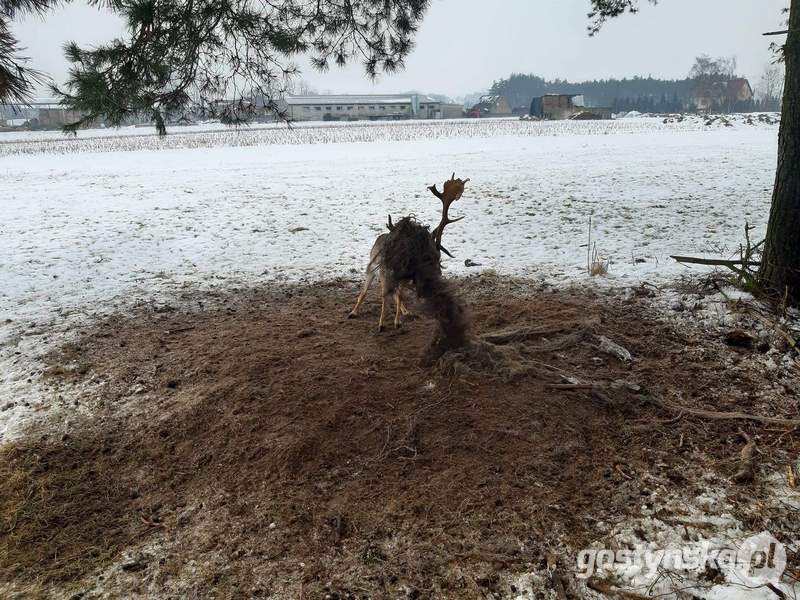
784 32
720 416
719 262
571 386
777 591
597 392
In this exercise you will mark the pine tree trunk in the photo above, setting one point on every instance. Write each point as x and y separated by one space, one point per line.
780 269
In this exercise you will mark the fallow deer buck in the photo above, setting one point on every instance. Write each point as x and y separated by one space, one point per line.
390 285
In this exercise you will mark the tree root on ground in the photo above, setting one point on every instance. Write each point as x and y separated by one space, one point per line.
720 416
599 391
522 334
504 353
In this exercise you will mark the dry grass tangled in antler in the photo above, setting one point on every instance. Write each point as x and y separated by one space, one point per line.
411 254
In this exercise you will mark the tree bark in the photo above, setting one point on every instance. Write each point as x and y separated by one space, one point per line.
780 267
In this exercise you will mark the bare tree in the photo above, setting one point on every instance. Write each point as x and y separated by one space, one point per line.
706 68
770 88
306 89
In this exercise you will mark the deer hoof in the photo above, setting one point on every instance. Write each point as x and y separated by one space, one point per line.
352 315
381 328
397 325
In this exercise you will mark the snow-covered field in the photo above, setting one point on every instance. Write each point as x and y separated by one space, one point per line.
96 222
216 135
89 225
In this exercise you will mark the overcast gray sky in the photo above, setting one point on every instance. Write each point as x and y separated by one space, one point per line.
463 45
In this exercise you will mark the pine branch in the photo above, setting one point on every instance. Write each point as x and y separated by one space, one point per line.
228 59
17 81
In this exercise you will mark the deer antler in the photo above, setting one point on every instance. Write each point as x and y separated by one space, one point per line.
453 189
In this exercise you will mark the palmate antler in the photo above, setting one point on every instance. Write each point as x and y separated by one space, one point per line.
453 189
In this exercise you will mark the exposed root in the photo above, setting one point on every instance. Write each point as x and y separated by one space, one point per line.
505 354
522 334
599 391
714 415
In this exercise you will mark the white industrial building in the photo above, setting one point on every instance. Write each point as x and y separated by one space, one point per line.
40 113
369 107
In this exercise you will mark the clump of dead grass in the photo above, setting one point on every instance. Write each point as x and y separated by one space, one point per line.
597 264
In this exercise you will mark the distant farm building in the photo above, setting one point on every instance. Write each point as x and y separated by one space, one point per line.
369 107
735 95
491 106
41 113
13 122
558 107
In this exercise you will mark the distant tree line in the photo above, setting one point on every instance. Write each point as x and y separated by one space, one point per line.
637 93
648 94
648 104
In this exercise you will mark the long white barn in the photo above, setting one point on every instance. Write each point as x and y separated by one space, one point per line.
369 107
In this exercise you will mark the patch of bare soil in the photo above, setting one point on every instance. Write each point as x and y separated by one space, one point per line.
258 444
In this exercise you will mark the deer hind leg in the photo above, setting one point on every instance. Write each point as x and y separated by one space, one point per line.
370 276
403 309
386 296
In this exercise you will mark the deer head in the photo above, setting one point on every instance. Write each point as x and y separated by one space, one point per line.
452 191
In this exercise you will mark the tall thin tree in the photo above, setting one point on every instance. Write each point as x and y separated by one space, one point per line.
780 266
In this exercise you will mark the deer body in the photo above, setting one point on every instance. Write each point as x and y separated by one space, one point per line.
389 284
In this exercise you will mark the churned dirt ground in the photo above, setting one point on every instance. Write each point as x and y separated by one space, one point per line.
257 444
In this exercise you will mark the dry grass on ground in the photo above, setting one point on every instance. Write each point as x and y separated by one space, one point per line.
258 442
